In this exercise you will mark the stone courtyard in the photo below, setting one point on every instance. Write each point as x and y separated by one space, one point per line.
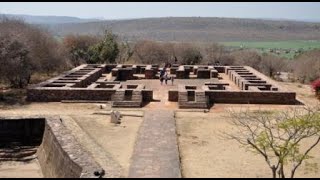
73 107
193 86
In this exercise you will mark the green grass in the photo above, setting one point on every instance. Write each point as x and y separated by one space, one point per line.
282 46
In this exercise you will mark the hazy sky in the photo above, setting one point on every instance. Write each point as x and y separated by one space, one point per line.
122 10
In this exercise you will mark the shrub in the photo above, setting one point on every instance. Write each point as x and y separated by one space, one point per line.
149 52
316 86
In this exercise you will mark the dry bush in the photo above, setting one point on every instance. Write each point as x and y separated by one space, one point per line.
26 49
188 53
215 54
306 67
125 52
272 64
247 58
149 52
16 66
77 47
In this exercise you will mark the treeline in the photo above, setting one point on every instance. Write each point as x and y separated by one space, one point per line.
304 68
26 50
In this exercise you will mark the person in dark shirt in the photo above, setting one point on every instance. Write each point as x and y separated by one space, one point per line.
162 73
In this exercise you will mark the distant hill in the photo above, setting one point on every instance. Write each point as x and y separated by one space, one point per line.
49 19
184 29
200 29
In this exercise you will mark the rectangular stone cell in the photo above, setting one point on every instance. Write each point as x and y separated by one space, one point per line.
191 96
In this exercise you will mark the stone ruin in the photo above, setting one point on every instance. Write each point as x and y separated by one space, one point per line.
115 117
94 83
109 82
47 140
253 88
196 86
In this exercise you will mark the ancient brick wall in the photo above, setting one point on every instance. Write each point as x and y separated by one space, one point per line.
252 97
173 95
203 74
47 95
147 95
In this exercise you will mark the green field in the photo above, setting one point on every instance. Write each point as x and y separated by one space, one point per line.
287 49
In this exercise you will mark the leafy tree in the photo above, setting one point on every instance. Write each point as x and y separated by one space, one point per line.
277 136
105 51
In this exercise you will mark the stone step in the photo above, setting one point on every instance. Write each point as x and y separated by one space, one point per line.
126 103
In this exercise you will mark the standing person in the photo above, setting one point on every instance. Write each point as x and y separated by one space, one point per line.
165 77
172 79
162 73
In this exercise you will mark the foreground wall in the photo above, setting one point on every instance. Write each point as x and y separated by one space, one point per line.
61 156
58 152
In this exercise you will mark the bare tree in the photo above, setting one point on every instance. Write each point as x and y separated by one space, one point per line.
16 66
77 47
150 52
306 67
27 49
214 53
271 64
125 51
277 136
247 58
188 53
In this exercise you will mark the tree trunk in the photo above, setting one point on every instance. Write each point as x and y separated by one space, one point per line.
274 172
282 175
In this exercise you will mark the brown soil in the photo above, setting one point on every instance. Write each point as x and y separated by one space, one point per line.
205 154
12 169
117 140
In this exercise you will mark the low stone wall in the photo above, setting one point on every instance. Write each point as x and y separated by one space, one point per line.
191 98
56 95
203 74
147 95
251 97
214 73
183 73
125 74
60 156
200 100
150 72
173 95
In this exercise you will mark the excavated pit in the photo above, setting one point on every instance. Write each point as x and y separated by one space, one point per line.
42 147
